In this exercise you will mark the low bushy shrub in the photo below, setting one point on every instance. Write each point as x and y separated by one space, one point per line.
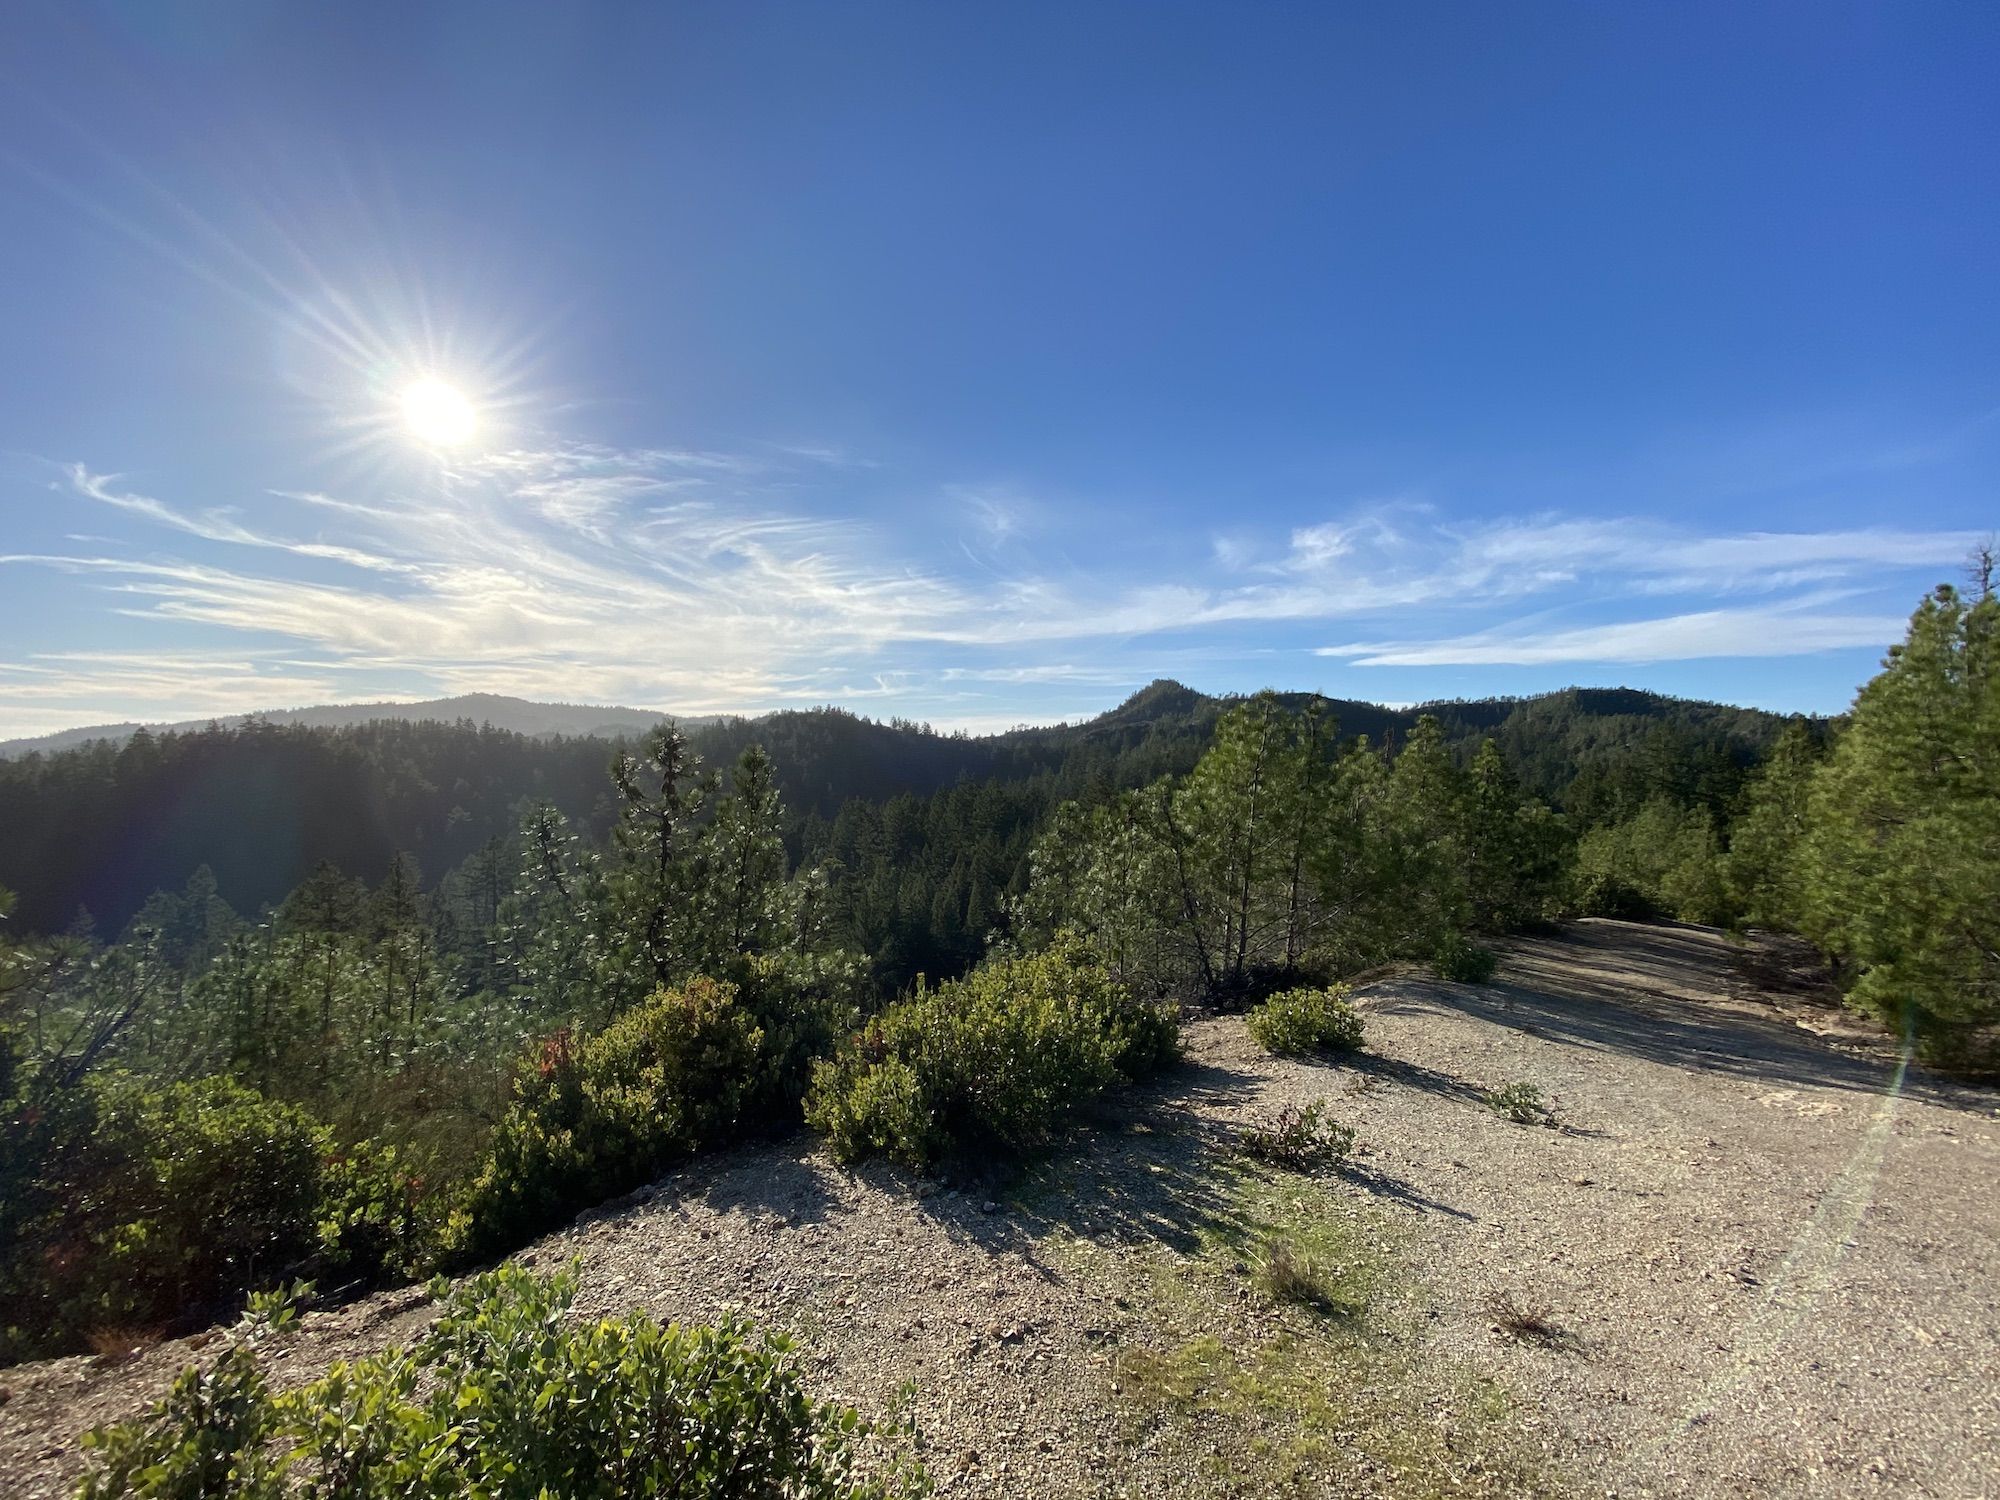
222 1193
595 1118
804 1004
1296 1022
1463 961
505 1396
1601 893
151 1207
1300 1139
1523 1103
997 1061
372 1223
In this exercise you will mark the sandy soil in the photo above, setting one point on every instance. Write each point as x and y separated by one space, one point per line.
1765 1258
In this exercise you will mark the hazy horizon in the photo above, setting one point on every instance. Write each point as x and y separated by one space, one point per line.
975 727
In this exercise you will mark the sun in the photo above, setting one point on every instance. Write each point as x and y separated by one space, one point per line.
438 414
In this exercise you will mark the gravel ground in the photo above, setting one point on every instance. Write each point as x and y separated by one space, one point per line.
1764 1267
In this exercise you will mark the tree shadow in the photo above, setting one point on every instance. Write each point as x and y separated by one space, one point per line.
1380 1184
1410 1075
1142 1171
781 1179
1145 1170
1639 992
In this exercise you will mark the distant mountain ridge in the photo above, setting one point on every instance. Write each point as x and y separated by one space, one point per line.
517 715
101 825
1161 702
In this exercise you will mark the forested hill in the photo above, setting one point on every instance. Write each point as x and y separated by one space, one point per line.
100 827
497 710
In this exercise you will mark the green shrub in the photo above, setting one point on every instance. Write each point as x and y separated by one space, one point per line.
593 1119
869 1102
1149 1037
1295 1022
804 1004
1300 1139
1463 961
369 1224
212 1435
1523 1103
504 1396
148 1207
999 1060
1603 893
224 1192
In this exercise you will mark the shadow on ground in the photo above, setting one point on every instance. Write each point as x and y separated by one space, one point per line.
1660 994
1145 1172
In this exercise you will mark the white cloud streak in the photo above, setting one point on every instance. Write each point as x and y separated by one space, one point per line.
1774 631
691 581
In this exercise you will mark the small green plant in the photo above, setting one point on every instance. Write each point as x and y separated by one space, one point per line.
1296 1022
504 1395
214 1432
1462 961
1523 1103
998 1061
1300 1139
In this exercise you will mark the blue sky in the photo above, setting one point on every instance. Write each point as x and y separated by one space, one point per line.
981 363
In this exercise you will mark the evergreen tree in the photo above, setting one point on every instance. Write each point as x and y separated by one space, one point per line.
658 875
746 863
1767 842
549 927
1902 877
1423 824
1515 847
1230 842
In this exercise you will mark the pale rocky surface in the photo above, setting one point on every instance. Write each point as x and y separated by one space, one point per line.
1774 1269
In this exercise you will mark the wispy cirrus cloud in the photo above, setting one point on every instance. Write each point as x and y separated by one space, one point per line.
711 582
1778 630
215 524
54 690
529 567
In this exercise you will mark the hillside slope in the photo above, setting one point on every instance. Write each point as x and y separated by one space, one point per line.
1767 1266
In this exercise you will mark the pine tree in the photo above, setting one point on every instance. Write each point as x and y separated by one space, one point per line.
1766 863
1902 860
659 870
1231 838
745 863
549 928
1424 826
326 914
1517 848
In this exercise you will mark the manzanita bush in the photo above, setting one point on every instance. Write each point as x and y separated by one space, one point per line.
506 1397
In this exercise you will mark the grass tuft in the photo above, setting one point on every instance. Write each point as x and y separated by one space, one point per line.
1287 1274
1528 1323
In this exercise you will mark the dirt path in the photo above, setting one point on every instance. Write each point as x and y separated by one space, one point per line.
1772 1269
